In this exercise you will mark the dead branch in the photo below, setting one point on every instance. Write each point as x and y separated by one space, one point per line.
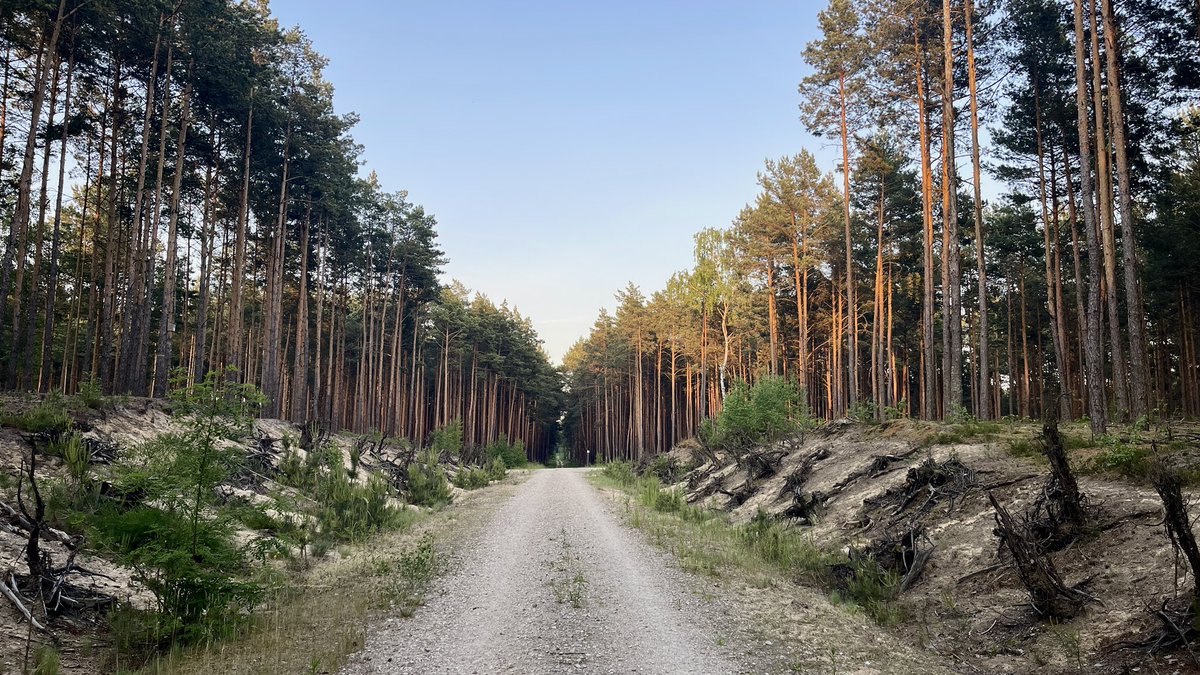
19 522
15 598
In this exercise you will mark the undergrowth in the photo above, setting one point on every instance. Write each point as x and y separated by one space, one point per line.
763 548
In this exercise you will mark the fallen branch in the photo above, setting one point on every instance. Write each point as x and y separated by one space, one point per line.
16 520
15 599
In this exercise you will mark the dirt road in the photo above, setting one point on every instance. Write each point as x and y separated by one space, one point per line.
554 583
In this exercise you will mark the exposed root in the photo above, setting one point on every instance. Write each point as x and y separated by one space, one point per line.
1050 596
927 485
905 553
803 507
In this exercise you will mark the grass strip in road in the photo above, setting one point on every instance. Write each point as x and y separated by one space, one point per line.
763 552
315 621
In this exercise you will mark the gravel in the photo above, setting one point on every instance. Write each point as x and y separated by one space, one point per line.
555 584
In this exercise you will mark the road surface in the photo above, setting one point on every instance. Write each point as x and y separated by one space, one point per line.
554 583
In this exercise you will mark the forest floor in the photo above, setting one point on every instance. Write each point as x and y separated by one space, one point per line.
555 582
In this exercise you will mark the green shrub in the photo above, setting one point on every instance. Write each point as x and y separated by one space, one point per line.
46 661
252 516
871 588
513 454
472 478
1119 458
664 500
345 509
779 544
427 485
1029 448
91 395
863 411
619 472
350 511
195 572
47 417
159 519
406 587
497 470
448 440
665 468
753 415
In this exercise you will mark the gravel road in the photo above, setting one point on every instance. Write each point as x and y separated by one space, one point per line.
555 584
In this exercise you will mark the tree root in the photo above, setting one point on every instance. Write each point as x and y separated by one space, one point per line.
1050 596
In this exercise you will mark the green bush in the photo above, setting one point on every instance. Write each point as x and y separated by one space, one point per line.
654 496
351 511
472 478
448 440
871 588
427 485
497 470
863 411
160 518
91 395
252 516
416 569
665 468
345 509
621 473
513 454
1121 459
46 661
753 415
194 570
860 581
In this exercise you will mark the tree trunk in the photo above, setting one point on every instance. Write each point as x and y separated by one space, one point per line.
983 404
1139 364
951 289
166 327
851 306
1105 225
1097 409
929 356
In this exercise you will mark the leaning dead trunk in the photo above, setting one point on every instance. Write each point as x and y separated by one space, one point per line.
1179 524
1050 596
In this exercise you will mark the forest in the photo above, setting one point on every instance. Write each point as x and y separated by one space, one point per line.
1011 230
179 197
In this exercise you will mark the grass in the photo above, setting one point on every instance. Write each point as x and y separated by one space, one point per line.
966 430
47 417
1123 456
317 619
763 551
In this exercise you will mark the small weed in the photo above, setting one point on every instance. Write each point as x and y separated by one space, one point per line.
46 661
414 571
1121 459
578 587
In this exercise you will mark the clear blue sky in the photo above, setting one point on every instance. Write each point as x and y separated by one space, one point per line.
568 147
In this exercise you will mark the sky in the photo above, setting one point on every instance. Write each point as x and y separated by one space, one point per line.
568 147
